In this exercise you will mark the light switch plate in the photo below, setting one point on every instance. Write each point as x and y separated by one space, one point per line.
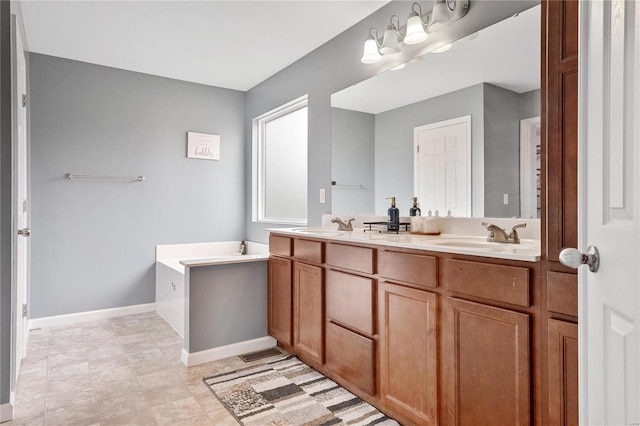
322 196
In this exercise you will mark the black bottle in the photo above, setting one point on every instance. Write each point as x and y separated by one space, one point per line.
415 210
393 222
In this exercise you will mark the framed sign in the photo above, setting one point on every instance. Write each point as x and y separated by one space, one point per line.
203 146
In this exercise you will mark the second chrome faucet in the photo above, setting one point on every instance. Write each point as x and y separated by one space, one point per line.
499 235
343 226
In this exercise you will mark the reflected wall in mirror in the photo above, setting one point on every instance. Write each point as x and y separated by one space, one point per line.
493 76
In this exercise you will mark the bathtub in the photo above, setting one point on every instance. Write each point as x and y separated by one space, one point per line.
214 298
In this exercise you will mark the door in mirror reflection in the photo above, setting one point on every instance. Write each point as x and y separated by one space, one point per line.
442 166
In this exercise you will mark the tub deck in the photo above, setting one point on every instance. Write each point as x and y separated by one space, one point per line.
215 298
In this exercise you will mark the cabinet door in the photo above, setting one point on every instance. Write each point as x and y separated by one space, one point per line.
408 352
352 357
308 311
488 365
563 373
280 299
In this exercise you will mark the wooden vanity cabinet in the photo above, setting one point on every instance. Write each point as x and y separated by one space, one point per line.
280 289
350 314
308 299
280 298
489 345
489 364
409 352
308 311
559 155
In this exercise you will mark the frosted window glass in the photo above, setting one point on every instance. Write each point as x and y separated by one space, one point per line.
285 167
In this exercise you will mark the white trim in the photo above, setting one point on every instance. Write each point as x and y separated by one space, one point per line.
6 412
101 314
583 60
528 172
227 351
258 160
465 119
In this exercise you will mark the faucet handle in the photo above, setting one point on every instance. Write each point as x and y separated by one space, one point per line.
514 233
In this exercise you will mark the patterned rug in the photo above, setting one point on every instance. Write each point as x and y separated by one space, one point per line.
288 392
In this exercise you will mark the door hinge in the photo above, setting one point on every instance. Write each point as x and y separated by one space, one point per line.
418 149
24 310
24 101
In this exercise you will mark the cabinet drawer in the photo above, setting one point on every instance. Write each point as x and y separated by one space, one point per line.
562 293
509 284
279 245
311 251
351 356
350 300
410 268
355 258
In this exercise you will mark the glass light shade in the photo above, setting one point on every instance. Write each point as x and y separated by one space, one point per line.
439 17
371 54
415 30
390 42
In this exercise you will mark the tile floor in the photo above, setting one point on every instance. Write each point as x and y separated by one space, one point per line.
120 371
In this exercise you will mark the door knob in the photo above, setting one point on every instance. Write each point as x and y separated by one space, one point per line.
25 232
573 258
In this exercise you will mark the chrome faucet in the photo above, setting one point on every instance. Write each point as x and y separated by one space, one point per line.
343 226
499 235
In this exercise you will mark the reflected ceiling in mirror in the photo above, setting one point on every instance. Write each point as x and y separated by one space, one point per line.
499 62
506 54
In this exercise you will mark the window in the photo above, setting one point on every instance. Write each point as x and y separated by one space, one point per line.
280 164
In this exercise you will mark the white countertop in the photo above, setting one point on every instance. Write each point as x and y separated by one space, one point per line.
225 260
528 250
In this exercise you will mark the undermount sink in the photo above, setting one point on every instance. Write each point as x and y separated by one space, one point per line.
483 245
319 231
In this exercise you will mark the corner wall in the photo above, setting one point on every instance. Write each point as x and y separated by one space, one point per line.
332 67
93 242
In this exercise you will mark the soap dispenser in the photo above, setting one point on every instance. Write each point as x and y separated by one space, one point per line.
415 210
393 223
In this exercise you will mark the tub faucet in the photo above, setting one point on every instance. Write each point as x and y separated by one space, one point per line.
343 226
499 235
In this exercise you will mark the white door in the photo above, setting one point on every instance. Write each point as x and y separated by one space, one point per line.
20 238
609 218
442 166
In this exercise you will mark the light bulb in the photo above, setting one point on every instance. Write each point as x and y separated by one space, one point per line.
439 17
371 54
390 42
415 30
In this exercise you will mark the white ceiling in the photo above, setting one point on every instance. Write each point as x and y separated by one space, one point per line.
232 44
506 54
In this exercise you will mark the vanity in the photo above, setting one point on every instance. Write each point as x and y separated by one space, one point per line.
431 330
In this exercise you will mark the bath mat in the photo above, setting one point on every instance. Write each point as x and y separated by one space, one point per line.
254 356
288 392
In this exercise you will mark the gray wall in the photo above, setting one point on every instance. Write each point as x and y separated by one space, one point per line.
530 104
332 67
501 151
228 304
93 241
352 161
394 145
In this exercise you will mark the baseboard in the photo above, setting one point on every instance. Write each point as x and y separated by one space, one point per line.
6 412
101 314
222 352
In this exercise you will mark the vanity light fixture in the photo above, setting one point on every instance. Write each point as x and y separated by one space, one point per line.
443 13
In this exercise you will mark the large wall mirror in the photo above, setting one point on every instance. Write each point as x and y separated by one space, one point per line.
395 134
